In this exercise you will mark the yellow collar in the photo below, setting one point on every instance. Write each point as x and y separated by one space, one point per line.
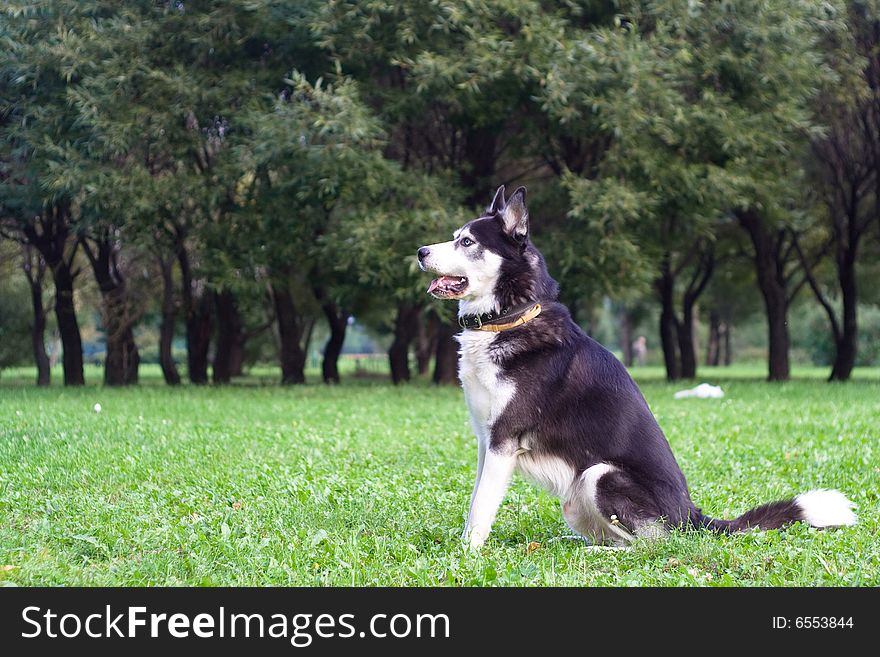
527 316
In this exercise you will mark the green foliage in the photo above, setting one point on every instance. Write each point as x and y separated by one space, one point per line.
696 109
746 73
322 142
598 243
36 117
377 239
310 152
469 56
449 79
164 88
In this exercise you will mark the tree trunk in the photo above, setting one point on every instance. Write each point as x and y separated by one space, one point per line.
35 273
446 362
199 326
166 329
771 282
68 327
777 332
713 347
198 309
626 338
405 329
687 332
845 333
665 286
49 234
337 320
122 359
290 333
229 353
725 334
686 345
846 345
38 337
426 342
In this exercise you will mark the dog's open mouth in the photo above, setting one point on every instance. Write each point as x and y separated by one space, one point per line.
448 287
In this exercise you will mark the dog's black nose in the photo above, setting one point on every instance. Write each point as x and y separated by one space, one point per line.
423 253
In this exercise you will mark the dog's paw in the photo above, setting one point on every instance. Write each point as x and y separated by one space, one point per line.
477 537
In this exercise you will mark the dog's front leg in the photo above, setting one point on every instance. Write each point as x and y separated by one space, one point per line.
481 458
495 477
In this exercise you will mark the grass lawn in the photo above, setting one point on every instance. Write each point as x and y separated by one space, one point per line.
366 484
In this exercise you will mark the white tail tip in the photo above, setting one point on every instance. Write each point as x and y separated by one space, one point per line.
826 508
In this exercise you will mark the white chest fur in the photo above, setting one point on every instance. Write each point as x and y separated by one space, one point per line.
486 390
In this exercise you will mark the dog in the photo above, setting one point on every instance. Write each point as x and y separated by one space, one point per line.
550 402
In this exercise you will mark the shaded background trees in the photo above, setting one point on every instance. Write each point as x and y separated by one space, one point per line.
210 184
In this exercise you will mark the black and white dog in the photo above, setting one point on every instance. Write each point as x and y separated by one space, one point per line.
547 400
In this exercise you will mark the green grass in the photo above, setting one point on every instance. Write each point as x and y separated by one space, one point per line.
365 484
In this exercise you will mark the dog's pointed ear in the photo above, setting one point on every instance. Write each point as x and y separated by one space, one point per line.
516 215
497 203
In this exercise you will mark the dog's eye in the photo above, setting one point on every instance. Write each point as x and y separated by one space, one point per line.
466 241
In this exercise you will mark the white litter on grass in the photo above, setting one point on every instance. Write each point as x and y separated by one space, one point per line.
703 391
97 408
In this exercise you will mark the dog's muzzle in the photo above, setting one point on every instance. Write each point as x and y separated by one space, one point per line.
423 253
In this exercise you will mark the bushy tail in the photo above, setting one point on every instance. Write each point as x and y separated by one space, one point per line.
818 508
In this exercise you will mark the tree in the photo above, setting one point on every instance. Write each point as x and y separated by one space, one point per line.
847 168
122 359
159 127
777 268
35 115
763 63
646 132
643 200
709 111
307 154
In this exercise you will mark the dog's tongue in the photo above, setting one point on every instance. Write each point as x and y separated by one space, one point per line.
440 282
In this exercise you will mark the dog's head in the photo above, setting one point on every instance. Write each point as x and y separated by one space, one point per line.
490 263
